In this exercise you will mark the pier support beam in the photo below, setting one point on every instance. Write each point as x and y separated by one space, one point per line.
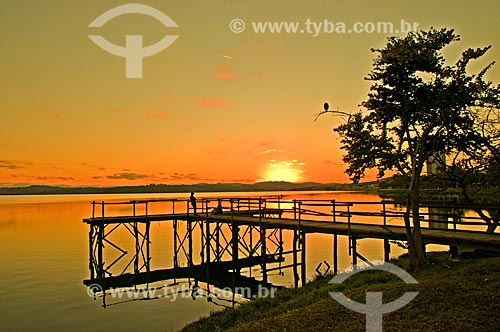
137 248
91 252
207 245
354 252
335 253
235 242
303 258
174 226
263 253
190 242
387 250
295 259
207 240
217 242
148 252
100 262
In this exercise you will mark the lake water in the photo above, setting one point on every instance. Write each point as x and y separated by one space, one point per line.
44 259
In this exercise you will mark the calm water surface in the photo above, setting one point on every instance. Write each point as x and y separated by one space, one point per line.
44 259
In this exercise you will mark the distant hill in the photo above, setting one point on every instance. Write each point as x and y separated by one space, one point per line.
177 188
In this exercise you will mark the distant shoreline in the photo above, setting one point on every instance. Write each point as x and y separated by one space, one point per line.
200 187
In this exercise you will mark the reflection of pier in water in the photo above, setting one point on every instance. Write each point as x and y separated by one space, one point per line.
214 248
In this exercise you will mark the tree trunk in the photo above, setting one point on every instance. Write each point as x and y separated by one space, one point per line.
415 243
411 241
417 233
491 222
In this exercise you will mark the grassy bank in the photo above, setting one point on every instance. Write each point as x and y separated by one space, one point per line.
458 295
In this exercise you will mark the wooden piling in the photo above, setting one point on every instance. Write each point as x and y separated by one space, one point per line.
335 240
190 242
387 250
148 252
354 252
235 242
295 259
100 262
91 252
263 253
303 258
207 243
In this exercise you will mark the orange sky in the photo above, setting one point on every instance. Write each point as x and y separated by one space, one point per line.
215 106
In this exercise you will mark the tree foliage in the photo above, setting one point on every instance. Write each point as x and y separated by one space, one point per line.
420 107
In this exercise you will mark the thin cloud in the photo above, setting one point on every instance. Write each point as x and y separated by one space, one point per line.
99 168
13 164
230 140
65 178
265 143
127 176
183 176
157 115
211 103
268 151
89 165
224 73
51 178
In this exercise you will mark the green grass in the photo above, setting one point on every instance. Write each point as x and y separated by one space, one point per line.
459 295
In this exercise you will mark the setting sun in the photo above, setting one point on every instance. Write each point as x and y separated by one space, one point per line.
289 171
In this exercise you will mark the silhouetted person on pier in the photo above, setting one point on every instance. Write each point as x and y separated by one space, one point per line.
193 201
218 209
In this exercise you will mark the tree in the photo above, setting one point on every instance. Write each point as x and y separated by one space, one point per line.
418 107
477 169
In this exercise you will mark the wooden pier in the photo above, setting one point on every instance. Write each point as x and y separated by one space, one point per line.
246 232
